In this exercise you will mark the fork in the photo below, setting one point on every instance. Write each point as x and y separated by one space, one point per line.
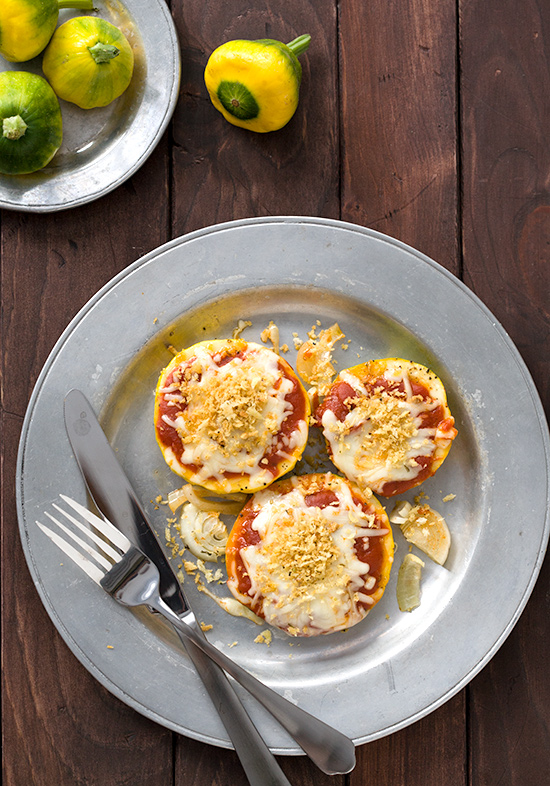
133 580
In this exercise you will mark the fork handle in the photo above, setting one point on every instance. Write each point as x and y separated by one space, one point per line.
329 749
257 761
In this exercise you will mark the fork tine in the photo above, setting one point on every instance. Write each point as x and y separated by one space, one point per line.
91 570
108 529
94 553
104 546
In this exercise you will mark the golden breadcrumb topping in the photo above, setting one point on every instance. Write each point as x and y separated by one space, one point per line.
391 426
228 408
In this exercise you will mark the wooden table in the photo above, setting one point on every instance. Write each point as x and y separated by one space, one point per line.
426 120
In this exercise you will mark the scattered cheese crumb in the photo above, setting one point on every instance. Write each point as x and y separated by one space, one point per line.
271 333
297 341
242 325
233 644
314 361
208 574
110 647
265 637
205 627
449 497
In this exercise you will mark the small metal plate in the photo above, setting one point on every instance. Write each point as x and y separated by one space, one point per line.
390 300
104 147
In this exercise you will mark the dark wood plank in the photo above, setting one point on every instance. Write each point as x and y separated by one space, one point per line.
431 751
399 176
198 765
398 116
222 172
505 55
60 726
506 161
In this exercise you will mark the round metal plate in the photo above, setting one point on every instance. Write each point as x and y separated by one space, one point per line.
104 147
390 300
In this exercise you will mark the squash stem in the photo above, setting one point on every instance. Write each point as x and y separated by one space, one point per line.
102 53
84 5
13 127
299 45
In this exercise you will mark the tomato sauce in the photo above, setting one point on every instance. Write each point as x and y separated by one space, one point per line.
242 535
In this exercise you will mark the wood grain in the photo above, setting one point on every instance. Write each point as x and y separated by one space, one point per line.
505 59
398 118
196 766
430 751
506 163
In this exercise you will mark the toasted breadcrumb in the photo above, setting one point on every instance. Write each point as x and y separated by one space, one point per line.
265 637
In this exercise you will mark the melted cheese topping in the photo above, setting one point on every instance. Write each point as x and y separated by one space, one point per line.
382 435
228 416
304 572
314 360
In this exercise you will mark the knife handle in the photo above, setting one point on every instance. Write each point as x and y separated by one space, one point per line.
328 748
257 761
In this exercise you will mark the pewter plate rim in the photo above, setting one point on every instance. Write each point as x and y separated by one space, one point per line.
394 679
124 133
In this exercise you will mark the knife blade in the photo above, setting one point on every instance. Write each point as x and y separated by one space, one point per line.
112 491
116 499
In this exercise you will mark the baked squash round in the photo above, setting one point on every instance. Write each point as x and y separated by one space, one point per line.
387 424
311 554
230 415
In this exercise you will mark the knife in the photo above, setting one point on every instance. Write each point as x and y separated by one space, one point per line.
114 496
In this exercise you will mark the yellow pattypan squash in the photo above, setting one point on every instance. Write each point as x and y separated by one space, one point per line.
26 26
255 84
88 62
